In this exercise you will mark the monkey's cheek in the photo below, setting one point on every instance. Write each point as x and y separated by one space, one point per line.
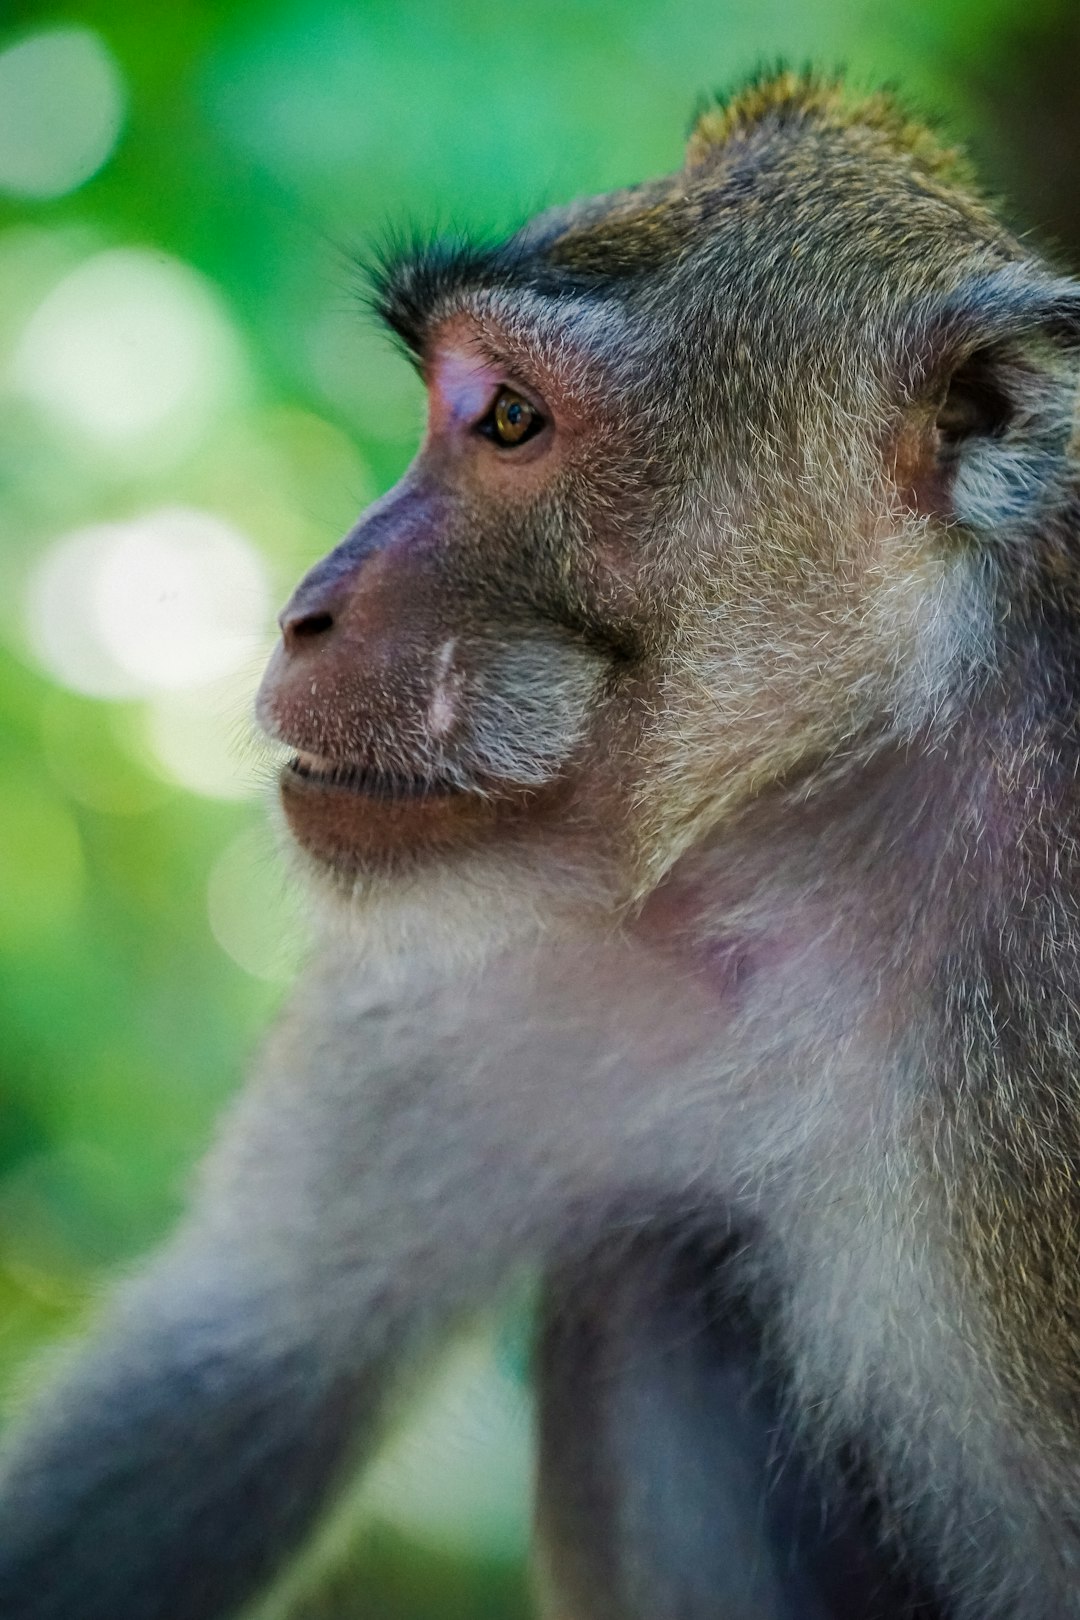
353 831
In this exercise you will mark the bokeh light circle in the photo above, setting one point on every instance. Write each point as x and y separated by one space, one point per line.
62 108
173 599
205 739
253 915
132 349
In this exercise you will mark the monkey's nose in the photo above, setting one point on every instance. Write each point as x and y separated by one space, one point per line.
298 626
312 611
318 604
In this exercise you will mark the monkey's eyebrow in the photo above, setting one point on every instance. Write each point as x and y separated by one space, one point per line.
416 283
412 282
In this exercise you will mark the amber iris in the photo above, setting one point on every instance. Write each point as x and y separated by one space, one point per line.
513 418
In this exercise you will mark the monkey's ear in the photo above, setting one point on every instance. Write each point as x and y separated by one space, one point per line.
993 440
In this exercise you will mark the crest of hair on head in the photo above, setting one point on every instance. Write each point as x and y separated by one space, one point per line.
778 99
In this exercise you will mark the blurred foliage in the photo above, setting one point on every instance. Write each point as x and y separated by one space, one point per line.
190 391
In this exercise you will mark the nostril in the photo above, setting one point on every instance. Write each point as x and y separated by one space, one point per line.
298 627
313 624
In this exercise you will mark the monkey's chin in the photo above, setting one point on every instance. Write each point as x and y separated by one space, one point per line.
353 820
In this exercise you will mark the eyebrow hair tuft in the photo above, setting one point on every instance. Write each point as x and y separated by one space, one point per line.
413 279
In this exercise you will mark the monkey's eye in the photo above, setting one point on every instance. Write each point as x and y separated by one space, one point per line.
511 420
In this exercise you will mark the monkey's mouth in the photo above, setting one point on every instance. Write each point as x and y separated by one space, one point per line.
370 782
354 817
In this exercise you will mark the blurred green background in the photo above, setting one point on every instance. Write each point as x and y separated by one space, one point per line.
193 406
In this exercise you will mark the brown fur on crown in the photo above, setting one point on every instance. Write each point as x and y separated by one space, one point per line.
775 99
839 163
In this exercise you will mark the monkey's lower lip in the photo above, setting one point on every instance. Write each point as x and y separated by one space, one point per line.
352 818
346 776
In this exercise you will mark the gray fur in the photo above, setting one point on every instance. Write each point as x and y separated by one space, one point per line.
766 924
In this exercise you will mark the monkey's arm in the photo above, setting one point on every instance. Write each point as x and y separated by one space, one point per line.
342 1219
180 1457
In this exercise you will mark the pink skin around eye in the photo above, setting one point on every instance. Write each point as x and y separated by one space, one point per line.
462 388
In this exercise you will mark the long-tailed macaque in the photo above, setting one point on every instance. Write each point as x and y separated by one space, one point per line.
686 752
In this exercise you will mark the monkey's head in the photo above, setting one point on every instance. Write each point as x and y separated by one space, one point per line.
722 478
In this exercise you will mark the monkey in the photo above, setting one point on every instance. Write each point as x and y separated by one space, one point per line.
683 758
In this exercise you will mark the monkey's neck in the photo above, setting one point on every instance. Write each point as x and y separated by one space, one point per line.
929 905
949 848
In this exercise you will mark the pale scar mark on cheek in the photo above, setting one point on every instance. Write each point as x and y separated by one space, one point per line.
444 699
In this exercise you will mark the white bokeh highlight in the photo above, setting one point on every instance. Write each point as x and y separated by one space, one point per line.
132 350
62 105
173 599
205 740
253 915
457 1478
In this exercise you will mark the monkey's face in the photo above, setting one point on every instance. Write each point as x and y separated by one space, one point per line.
450 674
554 638
682 525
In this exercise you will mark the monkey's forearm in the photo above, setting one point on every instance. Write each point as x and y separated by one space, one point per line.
177 1462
